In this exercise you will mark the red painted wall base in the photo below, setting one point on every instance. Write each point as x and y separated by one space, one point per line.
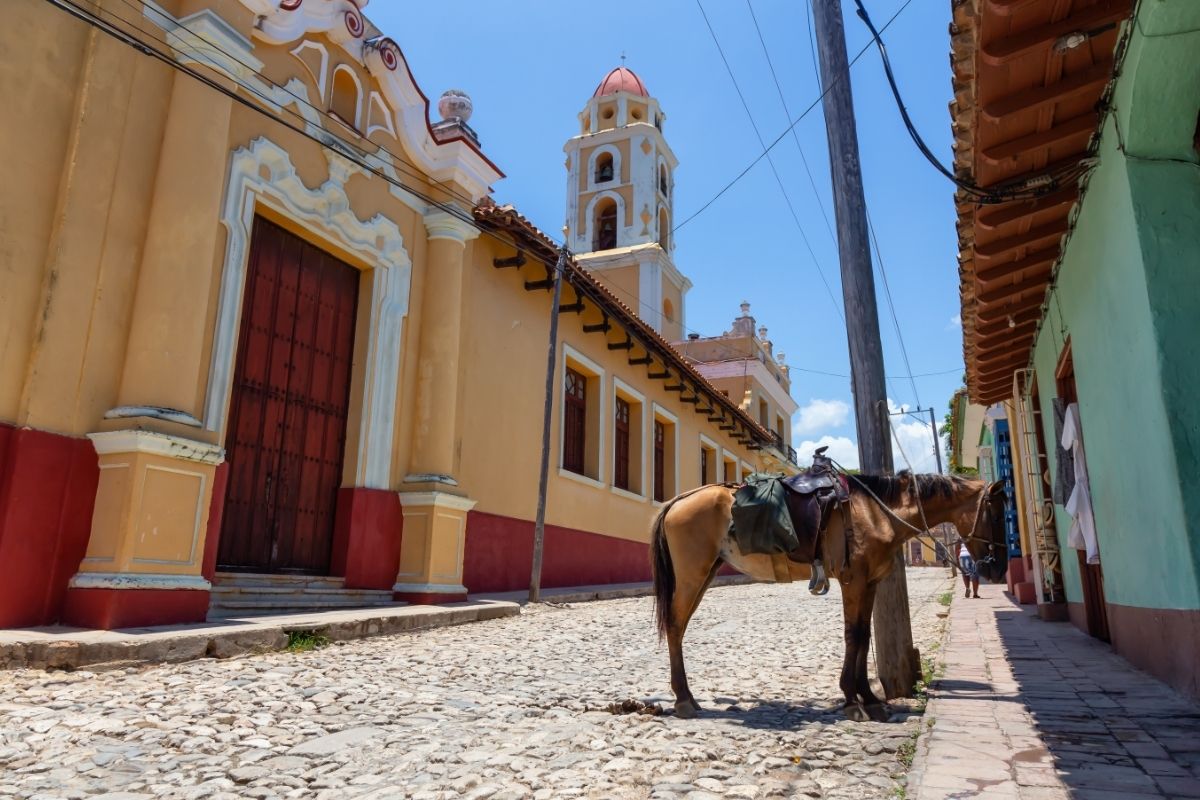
47 490
366 537
428 598
133 608
499 552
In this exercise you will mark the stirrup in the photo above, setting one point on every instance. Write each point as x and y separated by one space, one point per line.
818 584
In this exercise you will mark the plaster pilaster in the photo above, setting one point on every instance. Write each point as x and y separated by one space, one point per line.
169 316
439 355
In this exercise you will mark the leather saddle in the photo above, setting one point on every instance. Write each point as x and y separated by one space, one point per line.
811 497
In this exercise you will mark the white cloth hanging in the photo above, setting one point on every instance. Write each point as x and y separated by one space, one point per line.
1082 535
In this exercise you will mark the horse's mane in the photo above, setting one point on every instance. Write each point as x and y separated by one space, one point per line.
889 488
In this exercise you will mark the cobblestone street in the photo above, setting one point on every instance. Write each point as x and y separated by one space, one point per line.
508 708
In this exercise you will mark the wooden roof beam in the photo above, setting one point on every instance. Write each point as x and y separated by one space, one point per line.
1036 280
1001 312
992 217
1076 128
1004 354
1030 317
1044 37
1042 234
1091 79
1042 259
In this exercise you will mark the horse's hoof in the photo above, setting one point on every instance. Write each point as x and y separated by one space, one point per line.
878 712
686 709
855 712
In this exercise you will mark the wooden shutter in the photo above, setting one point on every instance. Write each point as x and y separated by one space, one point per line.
660 436
621 446
574 421
703 465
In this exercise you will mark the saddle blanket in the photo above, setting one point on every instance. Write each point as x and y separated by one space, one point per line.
762 522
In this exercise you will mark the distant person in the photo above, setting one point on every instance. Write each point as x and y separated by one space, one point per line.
970 570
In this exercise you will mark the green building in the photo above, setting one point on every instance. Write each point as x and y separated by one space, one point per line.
1082 285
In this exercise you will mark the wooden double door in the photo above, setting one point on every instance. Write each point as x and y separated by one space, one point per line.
286 431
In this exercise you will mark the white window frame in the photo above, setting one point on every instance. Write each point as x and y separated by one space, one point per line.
612 150
718 462
729 455
599 374
620 386
657 410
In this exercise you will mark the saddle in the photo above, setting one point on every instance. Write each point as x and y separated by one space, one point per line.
787 517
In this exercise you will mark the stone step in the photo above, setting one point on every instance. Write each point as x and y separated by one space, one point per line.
259 579
247 594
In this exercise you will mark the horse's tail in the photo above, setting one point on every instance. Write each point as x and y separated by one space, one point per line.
663 569
661 565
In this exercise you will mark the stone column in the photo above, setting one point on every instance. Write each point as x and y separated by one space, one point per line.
435 512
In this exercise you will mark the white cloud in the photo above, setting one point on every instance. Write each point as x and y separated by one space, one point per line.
955 322
819 415
913 438
841 449
912 444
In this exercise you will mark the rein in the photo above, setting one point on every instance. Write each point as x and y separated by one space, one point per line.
983 496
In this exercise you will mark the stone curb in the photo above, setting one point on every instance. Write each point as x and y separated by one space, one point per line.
916 770
121 649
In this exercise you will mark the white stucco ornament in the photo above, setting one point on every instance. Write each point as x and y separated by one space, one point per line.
455 104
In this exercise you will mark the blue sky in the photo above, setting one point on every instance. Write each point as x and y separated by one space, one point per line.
531 65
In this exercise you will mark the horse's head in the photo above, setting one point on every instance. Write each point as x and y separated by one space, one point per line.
986 543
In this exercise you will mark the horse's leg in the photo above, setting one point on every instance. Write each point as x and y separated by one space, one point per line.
874 707
688 594
852 595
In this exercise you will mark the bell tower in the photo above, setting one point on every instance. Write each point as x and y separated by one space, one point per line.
620 187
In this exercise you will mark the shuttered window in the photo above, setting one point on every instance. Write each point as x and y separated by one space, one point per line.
703 465
621 446
575 421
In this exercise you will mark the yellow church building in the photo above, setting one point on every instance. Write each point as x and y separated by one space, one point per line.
267 342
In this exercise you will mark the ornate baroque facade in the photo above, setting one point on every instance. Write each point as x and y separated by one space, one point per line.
261 323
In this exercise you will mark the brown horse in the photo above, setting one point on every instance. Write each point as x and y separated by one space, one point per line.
691 540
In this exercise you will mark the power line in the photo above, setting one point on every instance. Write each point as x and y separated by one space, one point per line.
788 114
782 135
324 141
1028 188
394 161
871 227
771 162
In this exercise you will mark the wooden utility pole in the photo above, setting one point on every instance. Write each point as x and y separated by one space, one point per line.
539 525
937 444
898 661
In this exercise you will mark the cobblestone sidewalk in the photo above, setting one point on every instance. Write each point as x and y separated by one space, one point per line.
500 709
1039 711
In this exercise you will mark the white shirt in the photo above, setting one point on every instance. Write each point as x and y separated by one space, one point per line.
1082 535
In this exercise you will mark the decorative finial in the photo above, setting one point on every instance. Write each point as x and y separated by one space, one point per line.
622 58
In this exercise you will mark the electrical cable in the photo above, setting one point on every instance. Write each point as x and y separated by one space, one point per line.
1026 189
870 224
393 161
325 142
788 114
795 218
781 136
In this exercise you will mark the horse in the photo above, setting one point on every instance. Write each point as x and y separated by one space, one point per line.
691 540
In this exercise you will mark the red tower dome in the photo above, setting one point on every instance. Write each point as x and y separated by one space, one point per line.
621 79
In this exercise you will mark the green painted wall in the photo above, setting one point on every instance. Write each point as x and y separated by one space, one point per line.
1128 295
